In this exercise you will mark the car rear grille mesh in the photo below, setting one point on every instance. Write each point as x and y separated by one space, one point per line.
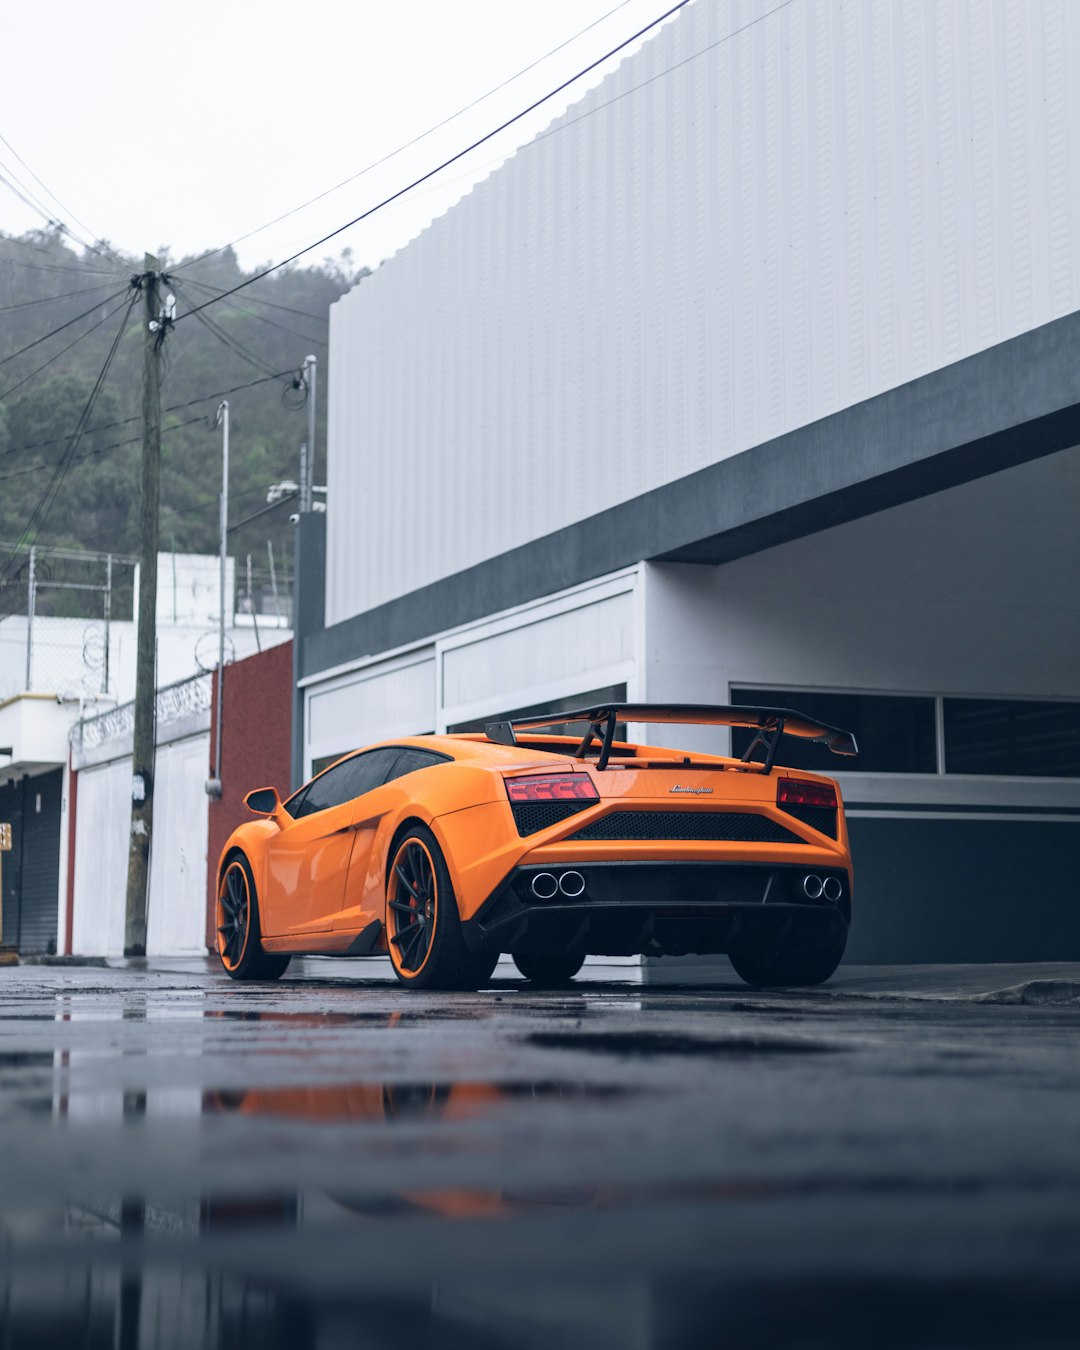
533 816
821 818
733 826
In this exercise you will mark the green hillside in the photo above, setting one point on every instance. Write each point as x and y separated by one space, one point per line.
266 329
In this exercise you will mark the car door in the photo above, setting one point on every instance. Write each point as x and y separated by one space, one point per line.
308 860
364 889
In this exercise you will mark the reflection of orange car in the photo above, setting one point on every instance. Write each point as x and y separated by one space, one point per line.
445 851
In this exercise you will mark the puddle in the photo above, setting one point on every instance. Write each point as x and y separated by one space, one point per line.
653 1044
387 1102
26 1059
321 1020
298 1019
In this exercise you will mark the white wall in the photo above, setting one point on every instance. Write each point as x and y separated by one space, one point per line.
723 241
102 825
176 918
176 921
580 639
67 654
971 591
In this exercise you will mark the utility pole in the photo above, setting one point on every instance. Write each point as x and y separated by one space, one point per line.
213 785
31 606
158 319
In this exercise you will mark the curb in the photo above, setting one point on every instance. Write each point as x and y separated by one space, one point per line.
1035 993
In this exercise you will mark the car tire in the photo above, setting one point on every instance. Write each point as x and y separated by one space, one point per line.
549 971
239 939
773 967
423 927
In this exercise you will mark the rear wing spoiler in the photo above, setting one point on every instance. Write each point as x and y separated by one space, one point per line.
769 723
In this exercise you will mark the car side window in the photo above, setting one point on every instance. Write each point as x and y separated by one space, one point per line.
410 760
342 782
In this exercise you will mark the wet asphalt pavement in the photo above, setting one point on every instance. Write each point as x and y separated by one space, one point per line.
331 1162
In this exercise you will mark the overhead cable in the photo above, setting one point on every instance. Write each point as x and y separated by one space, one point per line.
45 337
41 511
174 407
50 299
57 355
408 144
453 159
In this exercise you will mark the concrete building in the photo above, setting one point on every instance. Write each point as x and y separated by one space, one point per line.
753 379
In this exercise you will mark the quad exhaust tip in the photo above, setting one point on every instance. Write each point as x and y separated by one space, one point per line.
546 885
816 888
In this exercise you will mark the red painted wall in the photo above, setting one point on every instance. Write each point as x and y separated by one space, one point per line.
256 744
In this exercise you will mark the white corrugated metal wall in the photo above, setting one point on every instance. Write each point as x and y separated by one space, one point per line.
723 241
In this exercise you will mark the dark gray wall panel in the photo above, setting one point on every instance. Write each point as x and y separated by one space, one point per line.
965 890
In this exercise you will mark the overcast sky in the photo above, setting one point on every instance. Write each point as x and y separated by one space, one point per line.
188 126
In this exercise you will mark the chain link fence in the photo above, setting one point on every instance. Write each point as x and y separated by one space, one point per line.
57 607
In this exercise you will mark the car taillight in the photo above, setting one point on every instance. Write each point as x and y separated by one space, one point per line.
556 787
794 792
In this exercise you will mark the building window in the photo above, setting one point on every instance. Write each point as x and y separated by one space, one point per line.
1024 738
895 734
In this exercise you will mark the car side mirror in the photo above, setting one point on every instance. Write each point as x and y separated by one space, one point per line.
263 801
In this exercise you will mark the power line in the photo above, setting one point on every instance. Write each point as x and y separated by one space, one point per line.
660 74
47 267
408 144
57 355
66 209
175 407
84 315
261 318
482 140
205 398
99 449
50 299
45 501
258 299
228 340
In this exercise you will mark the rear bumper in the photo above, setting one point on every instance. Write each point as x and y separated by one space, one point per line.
660 908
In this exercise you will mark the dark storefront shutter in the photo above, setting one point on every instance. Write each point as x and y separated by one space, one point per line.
38 848
11 796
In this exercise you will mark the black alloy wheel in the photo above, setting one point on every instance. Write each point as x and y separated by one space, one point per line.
423 928
239 941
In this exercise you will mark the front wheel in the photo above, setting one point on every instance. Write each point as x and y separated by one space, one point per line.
423 928
770 968
549 971
239 942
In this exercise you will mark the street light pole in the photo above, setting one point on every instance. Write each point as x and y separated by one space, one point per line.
213 787
307 474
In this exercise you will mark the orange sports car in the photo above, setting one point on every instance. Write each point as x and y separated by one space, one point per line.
446 851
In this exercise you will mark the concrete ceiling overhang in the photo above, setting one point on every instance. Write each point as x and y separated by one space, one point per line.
1004 406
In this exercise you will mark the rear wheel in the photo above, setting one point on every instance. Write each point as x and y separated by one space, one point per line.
770 967
423 928
549 971
239 942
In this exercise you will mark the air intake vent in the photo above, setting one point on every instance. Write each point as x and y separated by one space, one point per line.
530 817
821 818
732 826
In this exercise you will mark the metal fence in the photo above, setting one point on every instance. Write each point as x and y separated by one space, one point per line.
57 607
